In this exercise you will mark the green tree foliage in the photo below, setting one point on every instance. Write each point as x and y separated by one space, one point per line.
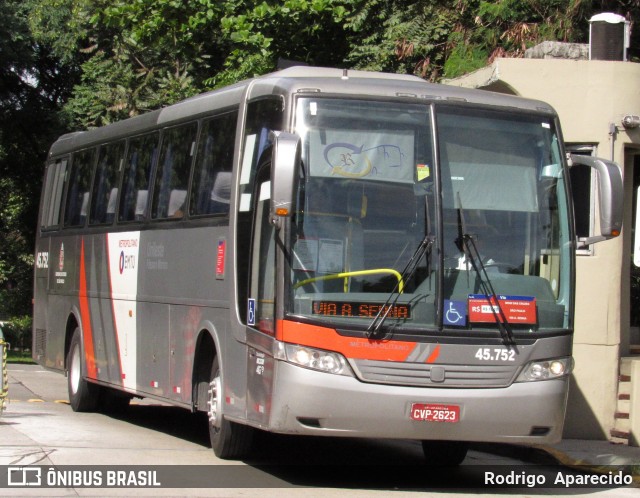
31 89
446 39
134 55
137 55
260 32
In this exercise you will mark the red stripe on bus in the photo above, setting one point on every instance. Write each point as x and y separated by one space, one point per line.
352 347
85 317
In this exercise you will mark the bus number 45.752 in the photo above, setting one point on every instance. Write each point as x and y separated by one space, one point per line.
496 354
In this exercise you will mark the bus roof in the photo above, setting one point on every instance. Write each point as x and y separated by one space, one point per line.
298 80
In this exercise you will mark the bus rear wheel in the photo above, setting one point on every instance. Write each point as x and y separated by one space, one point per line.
445 453
229 440
83 395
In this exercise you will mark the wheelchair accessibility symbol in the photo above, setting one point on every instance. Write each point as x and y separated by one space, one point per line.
455 313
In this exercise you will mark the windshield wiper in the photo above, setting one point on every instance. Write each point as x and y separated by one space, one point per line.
467 245
424 248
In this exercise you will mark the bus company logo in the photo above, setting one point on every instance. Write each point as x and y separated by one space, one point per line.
61 258
127 262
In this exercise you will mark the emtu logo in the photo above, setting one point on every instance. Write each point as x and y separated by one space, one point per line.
127 262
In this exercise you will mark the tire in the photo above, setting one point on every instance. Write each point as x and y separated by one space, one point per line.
229 440
445 453
83 395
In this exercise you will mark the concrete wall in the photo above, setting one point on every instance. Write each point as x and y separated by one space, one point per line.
589 96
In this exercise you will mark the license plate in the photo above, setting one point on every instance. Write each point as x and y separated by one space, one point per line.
429 412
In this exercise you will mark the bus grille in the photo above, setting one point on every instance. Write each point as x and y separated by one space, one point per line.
426 375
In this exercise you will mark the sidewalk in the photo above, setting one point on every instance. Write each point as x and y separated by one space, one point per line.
597 456
594 453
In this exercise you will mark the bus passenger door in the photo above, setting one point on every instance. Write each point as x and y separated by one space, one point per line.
45 264
261 307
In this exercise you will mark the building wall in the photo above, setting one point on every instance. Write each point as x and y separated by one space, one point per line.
589 96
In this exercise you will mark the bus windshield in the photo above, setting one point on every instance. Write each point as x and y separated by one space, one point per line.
435 217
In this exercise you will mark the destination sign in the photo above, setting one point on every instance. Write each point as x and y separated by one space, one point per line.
357 309
516 309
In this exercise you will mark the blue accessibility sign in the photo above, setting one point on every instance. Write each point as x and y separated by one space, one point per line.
455 313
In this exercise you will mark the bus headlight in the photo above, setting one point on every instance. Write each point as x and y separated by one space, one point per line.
545 369
317 359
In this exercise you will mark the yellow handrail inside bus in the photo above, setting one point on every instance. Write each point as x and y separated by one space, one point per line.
348 274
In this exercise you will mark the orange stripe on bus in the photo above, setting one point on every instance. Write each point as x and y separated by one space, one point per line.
351 347
434 354
85 316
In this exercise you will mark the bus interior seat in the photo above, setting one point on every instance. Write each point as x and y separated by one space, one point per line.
85 207
220 193
111 204
176 203
141 204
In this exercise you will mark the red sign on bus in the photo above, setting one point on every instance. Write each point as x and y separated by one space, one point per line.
222 249
516 309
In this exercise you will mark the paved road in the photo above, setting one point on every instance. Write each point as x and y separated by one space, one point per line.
40 429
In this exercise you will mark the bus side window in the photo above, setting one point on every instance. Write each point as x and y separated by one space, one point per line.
105 184
172 175
138 162
53 189
211 189
79 184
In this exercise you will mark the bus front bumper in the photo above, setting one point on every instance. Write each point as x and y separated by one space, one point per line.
314 403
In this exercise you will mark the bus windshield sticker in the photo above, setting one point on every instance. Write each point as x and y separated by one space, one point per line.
382 155
330 256
305 255
422 171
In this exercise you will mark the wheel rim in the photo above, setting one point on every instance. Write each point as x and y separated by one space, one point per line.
213 404
74 370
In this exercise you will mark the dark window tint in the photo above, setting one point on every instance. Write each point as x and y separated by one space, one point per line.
172 175
53 189
211 187
137 172
77 204
105 184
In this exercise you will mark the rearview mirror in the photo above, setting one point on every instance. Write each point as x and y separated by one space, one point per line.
610 197
285 164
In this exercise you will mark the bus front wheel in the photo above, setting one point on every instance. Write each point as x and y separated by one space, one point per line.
229 440
83 395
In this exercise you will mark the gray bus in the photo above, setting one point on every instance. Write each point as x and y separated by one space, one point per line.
322 252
